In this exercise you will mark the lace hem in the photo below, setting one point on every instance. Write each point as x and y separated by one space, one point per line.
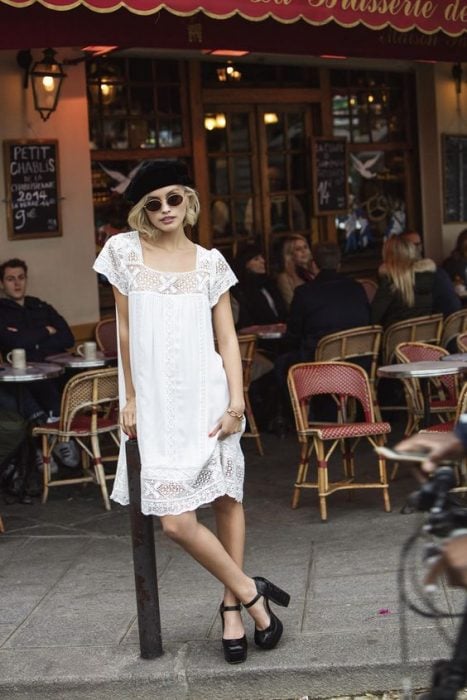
169 508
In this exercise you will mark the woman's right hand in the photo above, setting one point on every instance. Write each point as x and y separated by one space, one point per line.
128 418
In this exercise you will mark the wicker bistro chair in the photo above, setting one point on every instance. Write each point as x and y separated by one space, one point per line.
447 426
343 380
427 329
106 336
247 345
89 410
444 391
453 325
461 341
361 342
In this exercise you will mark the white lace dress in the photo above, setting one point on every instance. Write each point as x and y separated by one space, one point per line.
179 379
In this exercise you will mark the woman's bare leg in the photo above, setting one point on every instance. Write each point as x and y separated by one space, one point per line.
204 546
230 524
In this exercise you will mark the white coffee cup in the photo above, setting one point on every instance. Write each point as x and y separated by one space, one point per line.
17 358
88 350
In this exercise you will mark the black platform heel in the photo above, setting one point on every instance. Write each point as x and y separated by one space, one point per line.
269 638
235 650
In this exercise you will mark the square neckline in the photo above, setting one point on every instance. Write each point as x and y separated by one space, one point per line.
166 272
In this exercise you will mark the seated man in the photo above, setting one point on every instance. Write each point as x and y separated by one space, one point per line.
30 323
330 303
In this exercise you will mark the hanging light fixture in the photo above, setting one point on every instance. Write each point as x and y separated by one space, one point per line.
47 76
228 73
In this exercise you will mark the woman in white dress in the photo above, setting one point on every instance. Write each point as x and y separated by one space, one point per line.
179 397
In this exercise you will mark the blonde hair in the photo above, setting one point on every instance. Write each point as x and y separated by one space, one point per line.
288 264
139 220
400 256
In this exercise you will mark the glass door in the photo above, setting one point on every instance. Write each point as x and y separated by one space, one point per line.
259 174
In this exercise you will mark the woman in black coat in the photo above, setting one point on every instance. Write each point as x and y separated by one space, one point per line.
406 284
260 302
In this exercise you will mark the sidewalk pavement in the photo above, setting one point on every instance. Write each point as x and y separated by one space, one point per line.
68 612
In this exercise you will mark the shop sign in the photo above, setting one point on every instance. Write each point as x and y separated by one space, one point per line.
427 16
32 188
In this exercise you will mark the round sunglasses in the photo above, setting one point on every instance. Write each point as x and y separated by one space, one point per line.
173 200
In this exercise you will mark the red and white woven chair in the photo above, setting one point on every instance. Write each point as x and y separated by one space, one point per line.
344 381
444 391
106 336
89 411
446 427
453 325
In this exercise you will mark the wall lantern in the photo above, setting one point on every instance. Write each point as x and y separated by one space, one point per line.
47 76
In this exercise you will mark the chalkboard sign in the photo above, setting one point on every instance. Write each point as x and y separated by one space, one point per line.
455 177
329 175
32 189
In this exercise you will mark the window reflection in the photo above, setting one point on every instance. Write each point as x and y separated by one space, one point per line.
144 94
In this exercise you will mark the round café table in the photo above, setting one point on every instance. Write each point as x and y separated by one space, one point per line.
455 357
423 371
34 372
77 362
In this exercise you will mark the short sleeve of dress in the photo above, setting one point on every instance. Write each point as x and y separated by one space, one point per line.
110 263
221 277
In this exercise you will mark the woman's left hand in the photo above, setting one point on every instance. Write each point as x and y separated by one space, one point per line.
227 426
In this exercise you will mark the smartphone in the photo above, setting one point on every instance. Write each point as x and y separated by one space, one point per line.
389 453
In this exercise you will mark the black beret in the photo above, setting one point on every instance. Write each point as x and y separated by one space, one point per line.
155 174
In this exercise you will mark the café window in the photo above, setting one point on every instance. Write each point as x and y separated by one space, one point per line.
240 74
373 111
135 104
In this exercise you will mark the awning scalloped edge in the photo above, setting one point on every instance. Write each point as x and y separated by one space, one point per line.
229 14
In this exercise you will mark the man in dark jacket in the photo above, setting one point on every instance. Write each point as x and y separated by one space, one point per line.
28 322
330 303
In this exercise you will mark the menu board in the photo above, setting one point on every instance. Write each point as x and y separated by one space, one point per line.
455 177
32 188
329 176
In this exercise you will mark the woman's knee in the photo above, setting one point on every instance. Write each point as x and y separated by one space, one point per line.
226 504
177 527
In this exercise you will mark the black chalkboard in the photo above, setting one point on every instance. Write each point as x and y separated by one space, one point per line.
455 177
329 175
32 188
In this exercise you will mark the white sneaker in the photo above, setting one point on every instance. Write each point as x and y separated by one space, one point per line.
39 464
68 453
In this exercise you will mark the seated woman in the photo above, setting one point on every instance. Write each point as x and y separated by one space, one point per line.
456 264
406 284
259 303
259 300
297 266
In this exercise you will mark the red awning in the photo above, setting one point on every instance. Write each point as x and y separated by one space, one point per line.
426 16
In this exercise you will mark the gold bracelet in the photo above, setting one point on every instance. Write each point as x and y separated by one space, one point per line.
234 414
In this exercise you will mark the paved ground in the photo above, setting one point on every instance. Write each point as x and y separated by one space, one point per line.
67 605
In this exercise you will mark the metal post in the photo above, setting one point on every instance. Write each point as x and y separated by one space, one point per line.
144 562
